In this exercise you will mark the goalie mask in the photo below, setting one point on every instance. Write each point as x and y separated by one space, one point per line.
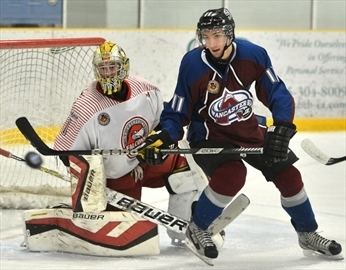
216 19
111 67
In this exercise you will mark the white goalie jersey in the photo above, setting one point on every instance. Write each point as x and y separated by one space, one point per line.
99 122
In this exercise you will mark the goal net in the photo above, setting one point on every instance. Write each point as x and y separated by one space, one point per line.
39 79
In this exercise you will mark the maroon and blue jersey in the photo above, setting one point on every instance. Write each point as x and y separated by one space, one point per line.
218 105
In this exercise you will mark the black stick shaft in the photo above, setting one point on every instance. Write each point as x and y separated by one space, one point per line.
30 134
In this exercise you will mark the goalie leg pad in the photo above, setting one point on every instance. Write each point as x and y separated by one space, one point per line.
102 234
186 181
180 206
184 188
88 183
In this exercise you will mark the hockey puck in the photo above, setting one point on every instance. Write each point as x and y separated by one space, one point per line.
33 160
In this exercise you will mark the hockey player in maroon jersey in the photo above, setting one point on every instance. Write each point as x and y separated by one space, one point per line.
213 98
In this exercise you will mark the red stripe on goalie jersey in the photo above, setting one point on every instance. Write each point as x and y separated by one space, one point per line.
134 235
91 102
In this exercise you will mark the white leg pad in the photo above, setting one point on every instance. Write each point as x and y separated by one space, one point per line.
180 206
88 184
187 187
101 234
186 181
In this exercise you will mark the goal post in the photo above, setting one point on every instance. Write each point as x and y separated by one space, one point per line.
39 79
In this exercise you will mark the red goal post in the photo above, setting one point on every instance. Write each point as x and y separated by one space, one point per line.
50 43
39 79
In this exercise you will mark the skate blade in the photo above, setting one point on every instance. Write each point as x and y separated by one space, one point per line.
192 248
312 253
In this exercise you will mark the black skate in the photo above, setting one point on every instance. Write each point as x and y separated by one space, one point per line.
313 242
201 241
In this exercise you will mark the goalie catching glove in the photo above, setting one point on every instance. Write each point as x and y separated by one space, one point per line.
276 142
149 152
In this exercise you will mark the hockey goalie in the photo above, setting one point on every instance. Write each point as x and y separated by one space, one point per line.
91 226
116 111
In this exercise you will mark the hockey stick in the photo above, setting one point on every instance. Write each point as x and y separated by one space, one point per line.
8 154
30 134
151 213
313 151
171 222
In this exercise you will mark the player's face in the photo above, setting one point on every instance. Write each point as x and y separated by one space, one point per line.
108 69
215 41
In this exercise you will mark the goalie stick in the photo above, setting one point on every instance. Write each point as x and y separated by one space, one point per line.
30 134
171 222
313 151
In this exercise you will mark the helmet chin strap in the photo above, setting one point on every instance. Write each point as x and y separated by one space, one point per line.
224 50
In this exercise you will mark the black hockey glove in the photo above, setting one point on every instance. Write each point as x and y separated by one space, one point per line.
276 142
149 151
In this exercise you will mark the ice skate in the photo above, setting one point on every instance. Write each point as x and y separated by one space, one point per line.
312 242
201 241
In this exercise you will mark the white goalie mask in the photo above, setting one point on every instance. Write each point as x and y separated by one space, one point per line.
111 67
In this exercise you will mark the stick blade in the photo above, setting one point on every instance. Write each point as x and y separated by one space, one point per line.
229 214
311 149
30 134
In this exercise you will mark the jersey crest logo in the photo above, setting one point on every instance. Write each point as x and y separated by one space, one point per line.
134 133
213 87
231 107
104 119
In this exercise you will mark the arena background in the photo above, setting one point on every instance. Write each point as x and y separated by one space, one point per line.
306 41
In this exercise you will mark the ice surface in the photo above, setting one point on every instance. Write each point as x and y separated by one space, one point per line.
260 239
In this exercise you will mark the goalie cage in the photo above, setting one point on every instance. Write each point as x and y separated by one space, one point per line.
40 78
